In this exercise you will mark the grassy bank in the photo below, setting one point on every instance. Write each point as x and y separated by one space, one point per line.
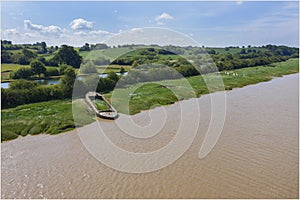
46 117
56 116
149 95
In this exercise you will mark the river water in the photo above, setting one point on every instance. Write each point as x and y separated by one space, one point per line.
255 157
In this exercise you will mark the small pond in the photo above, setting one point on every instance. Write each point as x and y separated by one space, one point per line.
40 81
54 81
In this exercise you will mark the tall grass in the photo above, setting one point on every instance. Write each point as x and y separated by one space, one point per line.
46 117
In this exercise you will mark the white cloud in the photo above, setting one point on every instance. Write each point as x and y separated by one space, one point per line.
81 24
9 32
100 32
163 16
43 29
80 33
136 30
239 2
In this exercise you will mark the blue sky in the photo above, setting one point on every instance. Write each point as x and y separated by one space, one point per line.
209 23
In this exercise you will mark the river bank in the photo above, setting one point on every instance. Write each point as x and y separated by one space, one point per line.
255 157
54 117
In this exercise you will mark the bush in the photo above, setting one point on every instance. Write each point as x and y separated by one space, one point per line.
23 85
101 61
88 68
62 68
52 72
38 67
24 92
21 73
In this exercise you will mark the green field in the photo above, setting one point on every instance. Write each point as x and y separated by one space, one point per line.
233 50
112 68
110 53
13 67
56 116
7 68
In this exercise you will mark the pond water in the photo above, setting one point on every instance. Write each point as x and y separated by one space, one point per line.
55 81
40 81
118 73
104 75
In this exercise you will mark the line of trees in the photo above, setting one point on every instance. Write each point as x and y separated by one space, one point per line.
65 55
37 68
24 91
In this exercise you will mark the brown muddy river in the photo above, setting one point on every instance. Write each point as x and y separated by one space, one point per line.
255 157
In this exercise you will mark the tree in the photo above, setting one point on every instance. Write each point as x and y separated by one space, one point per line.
21 73
44 47
38 67
100 46
62 68
67 82
134 64
25 57
113 76
85 47
212 51
5 56
122 70
22 60
88 68
243 51
28 54
52 72
67 55
23 85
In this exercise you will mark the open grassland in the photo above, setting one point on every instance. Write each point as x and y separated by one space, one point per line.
112 68
14 67
56 116
11 67
233 50
110 53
